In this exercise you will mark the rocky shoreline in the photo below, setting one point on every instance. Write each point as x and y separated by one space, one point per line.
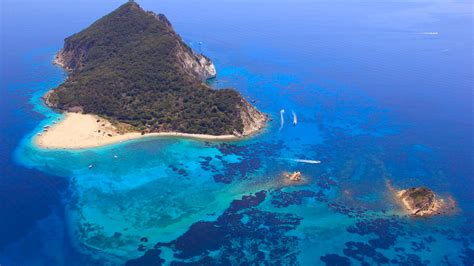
422 201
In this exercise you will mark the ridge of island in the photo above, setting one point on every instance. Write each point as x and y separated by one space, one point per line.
131 76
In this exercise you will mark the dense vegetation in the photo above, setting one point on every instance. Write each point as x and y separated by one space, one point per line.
124 67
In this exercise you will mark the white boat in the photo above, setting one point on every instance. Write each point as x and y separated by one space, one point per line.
115 156
90 166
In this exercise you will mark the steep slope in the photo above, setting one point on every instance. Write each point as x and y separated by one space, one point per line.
130 66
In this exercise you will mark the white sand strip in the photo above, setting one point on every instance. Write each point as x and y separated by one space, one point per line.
79 131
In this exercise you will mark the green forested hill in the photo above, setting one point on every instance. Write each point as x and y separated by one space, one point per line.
130 66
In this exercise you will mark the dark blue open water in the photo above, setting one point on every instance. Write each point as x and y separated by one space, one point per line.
383 93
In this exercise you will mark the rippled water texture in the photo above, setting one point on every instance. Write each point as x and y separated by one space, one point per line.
382 92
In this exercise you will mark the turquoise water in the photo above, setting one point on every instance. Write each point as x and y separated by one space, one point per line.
377 100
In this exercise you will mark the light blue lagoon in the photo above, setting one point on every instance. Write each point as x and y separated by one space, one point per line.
379 98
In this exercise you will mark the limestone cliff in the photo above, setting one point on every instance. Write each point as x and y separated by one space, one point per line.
253 120
195 64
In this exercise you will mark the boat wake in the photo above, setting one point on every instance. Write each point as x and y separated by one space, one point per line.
306 161
282 120
295 118
302 160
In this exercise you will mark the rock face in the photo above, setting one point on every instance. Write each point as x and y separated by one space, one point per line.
132 67
71 58
421 201
252 119
295 176
196 64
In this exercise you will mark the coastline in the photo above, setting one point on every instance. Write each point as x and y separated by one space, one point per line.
81 131
421 201
434 208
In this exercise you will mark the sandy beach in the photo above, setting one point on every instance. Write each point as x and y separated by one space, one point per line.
79 131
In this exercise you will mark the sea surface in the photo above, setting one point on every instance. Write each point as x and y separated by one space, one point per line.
383 94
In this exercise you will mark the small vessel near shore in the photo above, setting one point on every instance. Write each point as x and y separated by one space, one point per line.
90 166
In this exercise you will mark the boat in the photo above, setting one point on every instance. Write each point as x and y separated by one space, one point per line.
115 156
90 166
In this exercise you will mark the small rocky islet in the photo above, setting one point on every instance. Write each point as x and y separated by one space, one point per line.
423 202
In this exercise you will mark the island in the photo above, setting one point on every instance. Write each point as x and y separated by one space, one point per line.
422 201
295 176
131 76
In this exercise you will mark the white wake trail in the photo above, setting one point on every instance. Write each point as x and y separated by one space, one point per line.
301 160
282 120
429 33
295 118
306 161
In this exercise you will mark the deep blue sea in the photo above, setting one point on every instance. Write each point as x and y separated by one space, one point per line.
383 92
